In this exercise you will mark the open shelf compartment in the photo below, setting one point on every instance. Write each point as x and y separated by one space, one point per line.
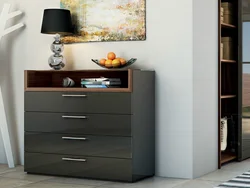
50 80
227 156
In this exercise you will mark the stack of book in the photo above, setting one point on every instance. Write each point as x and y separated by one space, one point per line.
101 82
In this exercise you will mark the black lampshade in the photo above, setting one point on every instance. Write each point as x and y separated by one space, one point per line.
56 21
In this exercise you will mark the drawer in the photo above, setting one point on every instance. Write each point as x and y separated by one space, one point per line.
101 146
75 123
79 166
116 103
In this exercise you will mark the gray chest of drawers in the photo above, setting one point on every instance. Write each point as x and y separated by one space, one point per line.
106 134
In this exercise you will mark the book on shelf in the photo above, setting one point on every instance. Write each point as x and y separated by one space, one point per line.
99 86
101 79
101 82
94 86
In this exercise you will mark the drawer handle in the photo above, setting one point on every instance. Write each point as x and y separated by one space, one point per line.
83 96
73 138
74 117
71 159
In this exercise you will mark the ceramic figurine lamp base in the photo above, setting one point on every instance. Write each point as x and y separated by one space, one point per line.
57 61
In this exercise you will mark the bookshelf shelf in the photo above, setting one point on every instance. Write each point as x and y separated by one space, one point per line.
225 25
227 157
228 96
228 61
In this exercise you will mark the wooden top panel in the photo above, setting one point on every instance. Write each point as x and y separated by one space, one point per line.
87 70
74 89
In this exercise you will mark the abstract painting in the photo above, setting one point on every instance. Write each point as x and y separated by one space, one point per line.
106 20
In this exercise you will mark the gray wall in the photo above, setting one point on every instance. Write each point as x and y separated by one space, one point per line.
168 50
205 86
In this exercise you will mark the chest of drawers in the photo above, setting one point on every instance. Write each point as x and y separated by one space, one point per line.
106 134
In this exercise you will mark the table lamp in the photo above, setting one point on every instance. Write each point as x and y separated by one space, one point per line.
58 22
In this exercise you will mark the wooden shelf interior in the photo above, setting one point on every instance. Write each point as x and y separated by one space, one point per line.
54 79
229 83
227 157
228 106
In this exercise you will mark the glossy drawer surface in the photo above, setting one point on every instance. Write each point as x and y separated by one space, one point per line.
79 166
116 103
75 123
101 146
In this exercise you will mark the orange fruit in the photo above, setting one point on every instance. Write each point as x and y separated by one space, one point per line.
102 61
111 55
123 61
116 63
108 63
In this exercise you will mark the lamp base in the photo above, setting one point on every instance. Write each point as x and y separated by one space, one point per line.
57 61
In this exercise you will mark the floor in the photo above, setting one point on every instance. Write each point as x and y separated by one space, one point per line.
11 178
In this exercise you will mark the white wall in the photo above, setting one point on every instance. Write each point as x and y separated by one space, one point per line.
205 86
168 50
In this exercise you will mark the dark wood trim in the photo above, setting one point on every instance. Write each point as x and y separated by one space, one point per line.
240 74
81 70
130 80
219 81
25 79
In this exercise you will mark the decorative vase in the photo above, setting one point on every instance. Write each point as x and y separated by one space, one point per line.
57 61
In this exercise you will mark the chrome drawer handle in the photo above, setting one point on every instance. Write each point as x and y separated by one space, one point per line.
71 159
73 138
83 96
74 117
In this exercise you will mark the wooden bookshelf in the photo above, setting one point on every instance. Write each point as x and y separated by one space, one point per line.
228 78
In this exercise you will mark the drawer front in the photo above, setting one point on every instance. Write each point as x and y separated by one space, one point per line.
79 166
101 146
117 103
75 123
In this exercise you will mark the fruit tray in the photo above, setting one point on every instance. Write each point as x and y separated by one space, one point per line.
129 62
